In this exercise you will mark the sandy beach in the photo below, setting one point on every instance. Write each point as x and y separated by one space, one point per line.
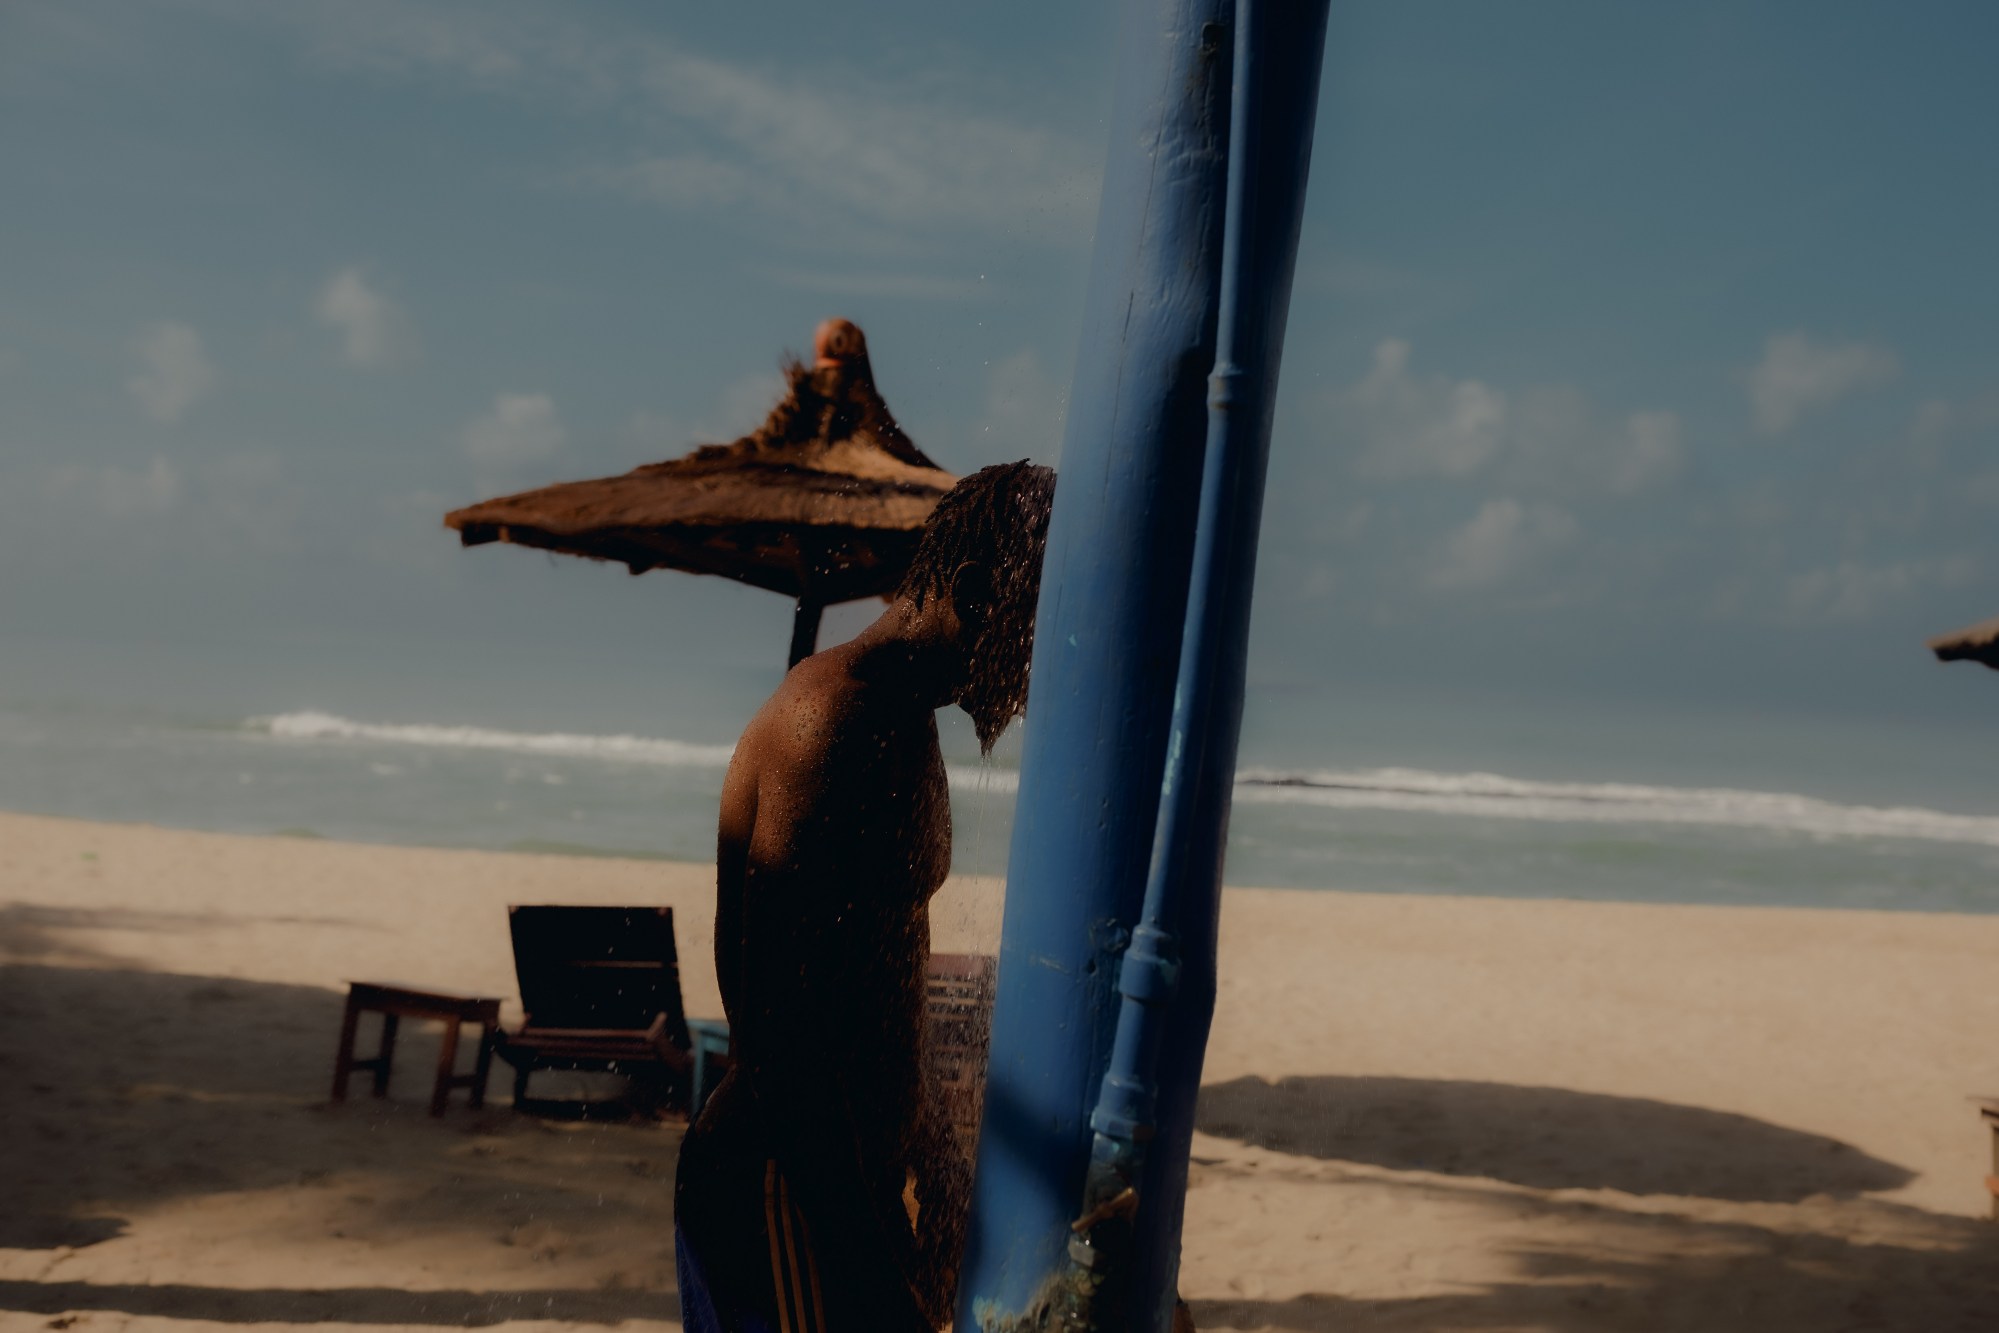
1421 1113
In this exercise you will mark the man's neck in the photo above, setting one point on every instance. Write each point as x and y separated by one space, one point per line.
912 649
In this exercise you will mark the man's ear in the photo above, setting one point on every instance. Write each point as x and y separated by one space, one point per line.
972 592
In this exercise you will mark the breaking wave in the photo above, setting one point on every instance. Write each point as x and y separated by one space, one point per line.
1402 790
1488 794
316 726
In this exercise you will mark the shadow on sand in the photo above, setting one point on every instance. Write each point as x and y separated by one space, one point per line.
125 1094
1545 1138
1749 1226
1630 1272
342 1305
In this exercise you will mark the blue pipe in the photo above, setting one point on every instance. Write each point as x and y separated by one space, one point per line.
1146 1109
1108 633
1069 879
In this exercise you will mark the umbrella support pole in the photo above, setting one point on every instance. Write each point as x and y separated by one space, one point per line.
804 631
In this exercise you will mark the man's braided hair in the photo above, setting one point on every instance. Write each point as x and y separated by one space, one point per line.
997 518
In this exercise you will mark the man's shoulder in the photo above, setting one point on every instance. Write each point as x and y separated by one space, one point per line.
818 706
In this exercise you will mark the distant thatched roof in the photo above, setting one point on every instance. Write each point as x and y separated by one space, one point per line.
1980 643
823 502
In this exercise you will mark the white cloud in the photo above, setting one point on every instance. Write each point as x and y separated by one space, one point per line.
1503 539
1407 426
1411 426
879 156
520 428
1798 375
224 507
118 492
1645 451
177 372
1937 417
373 329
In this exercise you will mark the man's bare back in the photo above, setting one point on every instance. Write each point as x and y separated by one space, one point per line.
835 832
838 801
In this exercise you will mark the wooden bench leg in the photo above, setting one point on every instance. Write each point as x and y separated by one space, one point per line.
447 1066
1992 1181
482 1068
388 1054
343 1058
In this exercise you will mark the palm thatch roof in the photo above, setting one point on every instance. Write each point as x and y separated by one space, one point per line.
823 502
1979 643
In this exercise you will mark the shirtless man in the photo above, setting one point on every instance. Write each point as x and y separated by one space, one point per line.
819 1192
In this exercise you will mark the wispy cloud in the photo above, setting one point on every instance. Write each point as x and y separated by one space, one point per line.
175 373
855 157
1406 426
1851 590
1798 374
518 428
373 330
1421 426
1647 449
1504 539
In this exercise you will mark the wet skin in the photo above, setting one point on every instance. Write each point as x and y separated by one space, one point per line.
835 833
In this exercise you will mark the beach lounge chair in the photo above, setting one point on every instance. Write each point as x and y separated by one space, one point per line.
601 991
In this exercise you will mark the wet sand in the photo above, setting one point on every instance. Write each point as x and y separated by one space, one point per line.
1421 1113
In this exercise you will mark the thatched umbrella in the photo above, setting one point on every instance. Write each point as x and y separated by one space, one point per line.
823 502
1980 643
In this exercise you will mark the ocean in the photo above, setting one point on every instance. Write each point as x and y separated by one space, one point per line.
1760 812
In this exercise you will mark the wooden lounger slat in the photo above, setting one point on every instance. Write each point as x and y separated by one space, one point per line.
601 987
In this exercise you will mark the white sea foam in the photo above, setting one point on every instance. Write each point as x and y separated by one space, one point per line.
311 725
1489 794
1403 790
316 726
983 779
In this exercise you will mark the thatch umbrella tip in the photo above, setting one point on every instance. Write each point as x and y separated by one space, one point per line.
1978 643
838 341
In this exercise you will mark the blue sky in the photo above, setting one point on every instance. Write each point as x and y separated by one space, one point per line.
1642 357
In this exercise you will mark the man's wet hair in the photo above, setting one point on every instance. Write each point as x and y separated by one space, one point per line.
997 518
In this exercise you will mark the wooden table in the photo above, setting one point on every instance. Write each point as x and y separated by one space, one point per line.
395 1002
1989 1108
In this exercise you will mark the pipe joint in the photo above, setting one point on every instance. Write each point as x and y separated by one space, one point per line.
1123 1116
1150 970
1224 385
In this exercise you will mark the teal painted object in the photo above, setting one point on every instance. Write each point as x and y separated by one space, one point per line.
710 1038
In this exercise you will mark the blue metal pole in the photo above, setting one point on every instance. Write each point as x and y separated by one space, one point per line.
1108 633
1123 1265
1279 46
